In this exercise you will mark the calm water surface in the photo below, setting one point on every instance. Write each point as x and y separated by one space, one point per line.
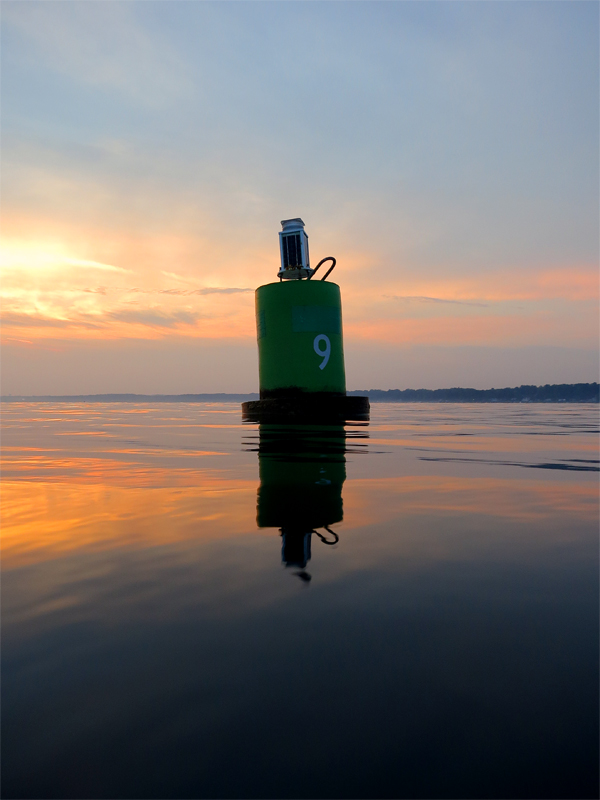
196 608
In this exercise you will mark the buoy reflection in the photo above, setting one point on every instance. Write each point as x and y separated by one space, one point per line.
302 472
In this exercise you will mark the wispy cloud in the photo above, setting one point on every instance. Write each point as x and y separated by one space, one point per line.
188 292
71 39
124 323
19 257
216 290
83 262
508 330
515 282
174 275
423 299
156 317
16 320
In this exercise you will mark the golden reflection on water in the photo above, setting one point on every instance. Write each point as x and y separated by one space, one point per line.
147 619
510 499
46 520
85 478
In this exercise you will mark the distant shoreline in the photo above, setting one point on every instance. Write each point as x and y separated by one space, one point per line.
550 393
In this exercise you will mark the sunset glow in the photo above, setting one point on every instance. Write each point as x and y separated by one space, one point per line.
155 221
269 536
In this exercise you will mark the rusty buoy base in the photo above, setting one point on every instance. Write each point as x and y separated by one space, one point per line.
307 407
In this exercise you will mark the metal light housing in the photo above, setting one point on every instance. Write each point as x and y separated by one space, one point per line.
293 245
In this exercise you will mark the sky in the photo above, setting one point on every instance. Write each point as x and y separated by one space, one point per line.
446 153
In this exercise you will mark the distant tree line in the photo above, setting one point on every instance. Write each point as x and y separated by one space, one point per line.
550 393
555 393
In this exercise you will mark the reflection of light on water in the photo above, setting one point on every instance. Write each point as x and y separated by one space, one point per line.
44 521
140 596
386 498
72 484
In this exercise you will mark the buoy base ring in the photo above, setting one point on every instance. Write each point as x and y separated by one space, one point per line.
301 408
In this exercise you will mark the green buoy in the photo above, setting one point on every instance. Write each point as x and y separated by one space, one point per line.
300 345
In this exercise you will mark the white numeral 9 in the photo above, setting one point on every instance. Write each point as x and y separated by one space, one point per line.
324 353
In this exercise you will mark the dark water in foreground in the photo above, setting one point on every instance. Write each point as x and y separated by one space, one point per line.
155 645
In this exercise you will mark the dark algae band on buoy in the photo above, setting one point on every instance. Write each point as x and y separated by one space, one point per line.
300 341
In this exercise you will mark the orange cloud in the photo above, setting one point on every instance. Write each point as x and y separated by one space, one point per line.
477 330
145 324
568 282
78 282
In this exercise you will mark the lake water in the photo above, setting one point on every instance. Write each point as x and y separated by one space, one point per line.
196 608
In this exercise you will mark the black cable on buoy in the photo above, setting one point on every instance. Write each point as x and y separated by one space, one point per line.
322 261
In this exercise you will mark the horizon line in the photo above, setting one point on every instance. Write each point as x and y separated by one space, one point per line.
373 394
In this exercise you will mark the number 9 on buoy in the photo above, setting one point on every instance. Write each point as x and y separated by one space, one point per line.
323 353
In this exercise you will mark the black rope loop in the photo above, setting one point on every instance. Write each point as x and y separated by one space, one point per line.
322 261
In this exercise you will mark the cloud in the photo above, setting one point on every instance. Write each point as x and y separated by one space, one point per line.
155 317
85 263
16 320
25 256
189 292
18 341
99 44
422 298
532 328
208 290
216 290
126 323
511 282
152 317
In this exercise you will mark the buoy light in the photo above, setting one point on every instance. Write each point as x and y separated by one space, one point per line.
293 244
